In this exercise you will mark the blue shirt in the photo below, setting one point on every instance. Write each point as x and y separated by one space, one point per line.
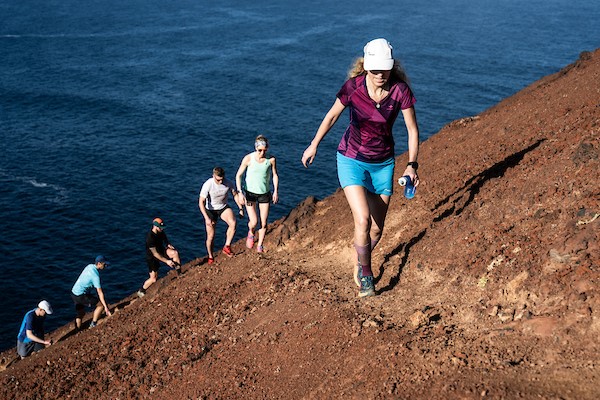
89 279
32 322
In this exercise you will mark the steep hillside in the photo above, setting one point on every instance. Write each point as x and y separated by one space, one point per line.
487 284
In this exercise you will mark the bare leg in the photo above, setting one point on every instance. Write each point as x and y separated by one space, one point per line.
151 280
359 205
264 218
368 211
97 312
173 255
252 217
252 221
231 222
78 320
378 207
210 236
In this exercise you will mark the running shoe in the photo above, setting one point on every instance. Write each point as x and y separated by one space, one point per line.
357 273
367 287
250 240
260 249
141 294
227 250
92 324
211 260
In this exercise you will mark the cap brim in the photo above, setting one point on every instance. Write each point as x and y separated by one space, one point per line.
378 65
49 310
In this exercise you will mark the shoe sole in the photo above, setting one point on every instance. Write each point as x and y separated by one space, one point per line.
366 294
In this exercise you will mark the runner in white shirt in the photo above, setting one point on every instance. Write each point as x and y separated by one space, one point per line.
213 205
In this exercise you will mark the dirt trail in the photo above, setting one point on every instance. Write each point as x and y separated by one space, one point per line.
487 284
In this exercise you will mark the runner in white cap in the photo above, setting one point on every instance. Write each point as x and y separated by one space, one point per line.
31 334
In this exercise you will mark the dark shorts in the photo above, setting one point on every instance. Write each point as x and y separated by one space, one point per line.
85 300
260 198
153 263
25 349
216 214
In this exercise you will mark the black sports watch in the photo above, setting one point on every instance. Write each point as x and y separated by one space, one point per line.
413 164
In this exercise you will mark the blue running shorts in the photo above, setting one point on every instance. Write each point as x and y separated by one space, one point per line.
375 177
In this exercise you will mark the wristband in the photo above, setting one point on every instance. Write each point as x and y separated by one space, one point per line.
413 164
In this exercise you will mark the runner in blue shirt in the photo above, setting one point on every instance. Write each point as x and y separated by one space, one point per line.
31 333
84 295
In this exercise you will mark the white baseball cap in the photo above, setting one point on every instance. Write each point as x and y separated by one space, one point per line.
44 305
378 55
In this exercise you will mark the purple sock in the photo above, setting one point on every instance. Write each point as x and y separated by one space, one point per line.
374 242
364 258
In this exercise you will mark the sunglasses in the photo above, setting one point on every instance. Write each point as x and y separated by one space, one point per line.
378 72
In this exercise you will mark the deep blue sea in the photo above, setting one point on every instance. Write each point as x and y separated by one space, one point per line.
114 112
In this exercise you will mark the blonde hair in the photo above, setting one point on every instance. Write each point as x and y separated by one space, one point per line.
358 69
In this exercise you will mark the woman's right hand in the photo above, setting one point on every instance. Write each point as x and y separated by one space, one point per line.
309 155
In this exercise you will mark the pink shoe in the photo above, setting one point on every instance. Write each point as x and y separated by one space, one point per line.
227 250
260 249
250 240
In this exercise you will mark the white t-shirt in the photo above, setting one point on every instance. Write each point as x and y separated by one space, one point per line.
216 194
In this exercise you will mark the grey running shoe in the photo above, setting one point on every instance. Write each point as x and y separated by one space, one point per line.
92 324
367 287
140 294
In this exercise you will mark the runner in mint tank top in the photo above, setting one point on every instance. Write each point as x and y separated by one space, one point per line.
375 94
260 168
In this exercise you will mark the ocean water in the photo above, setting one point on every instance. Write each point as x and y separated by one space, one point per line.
112 112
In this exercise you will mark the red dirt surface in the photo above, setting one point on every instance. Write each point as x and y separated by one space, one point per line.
487 284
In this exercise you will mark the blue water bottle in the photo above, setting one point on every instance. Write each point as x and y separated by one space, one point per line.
409 187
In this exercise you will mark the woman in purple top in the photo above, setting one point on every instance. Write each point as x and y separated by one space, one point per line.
375 93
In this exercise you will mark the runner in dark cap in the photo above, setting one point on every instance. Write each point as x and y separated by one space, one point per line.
158 249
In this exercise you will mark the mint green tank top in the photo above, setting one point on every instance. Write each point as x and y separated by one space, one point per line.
258 175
